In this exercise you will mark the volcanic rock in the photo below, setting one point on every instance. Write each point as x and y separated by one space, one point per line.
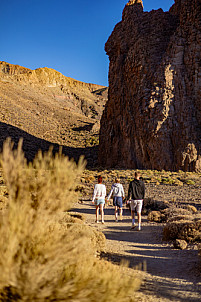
152 119
180 244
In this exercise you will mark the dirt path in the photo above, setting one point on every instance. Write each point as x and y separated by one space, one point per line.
169 274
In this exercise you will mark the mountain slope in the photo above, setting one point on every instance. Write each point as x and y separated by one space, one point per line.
50 106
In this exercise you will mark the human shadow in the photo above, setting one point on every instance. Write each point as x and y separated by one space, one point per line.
152 250
169 289
124 233
32 144
165 263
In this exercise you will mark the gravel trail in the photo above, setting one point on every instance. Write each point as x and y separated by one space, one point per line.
168 274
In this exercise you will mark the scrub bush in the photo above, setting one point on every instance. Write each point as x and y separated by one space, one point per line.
40 258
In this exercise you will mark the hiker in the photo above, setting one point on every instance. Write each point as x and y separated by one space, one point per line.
136 192
118 193
99 199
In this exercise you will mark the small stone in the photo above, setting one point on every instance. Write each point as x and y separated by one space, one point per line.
180 244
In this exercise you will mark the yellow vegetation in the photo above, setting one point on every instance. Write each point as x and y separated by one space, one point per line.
40 258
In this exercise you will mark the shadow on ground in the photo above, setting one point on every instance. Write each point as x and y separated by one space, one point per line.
87 127
32 144
174 274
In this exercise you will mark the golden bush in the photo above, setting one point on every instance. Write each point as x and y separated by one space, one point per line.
40 259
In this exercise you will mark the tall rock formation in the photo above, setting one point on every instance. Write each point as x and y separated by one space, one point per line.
152 119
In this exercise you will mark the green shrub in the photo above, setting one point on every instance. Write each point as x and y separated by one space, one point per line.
168 181
189 182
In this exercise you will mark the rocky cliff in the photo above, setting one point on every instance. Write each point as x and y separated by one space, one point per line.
152 119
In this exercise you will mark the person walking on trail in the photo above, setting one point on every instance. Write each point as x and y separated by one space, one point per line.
136 192
99 199
117 191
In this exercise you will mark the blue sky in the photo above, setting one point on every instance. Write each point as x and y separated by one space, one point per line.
68 36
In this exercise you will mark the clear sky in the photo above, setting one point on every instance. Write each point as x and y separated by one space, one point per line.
65 35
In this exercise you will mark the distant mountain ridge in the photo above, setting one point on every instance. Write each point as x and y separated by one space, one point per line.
47 105
42 76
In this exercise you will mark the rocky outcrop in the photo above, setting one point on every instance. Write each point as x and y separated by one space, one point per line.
152 118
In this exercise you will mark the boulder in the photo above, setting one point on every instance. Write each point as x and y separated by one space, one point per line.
180 244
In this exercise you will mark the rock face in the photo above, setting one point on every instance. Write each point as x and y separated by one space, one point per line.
152 118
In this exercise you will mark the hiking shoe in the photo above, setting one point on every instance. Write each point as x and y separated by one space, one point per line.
133 227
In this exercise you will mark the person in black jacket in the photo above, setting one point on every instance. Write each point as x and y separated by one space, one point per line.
136 192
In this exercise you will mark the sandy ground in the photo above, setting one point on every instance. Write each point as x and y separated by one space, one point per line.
168 274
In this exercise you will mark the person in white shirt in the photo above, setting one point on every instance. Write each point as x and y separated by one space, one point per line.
99 198
118 194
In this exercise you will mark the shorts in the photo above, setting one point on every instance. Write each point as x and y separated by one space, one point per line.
100 201
136 204
117 201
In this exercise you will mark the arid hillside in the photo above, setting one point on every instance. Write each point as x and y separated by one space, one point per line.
45 107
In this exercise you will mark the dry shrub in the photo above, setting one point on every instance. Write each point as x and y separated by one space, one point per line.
184 229
3 190
90 179
40 260
77 216
171 230
75 222
191 208
178 182
174 212
153 205
97 239
156 216
3 196
183 223
81 189
69 218
179 217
